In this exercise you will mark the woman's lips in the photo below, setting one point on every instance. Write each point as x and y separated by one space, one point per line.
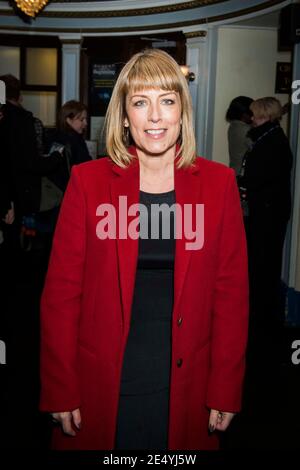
155 133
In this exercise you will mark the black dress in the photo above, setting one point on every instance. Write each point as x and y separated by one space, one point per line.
144 394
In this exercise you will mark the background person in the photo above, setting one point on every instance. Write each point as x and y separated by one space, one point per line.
143 340
72 123
20 161
21 171
267 170
239 117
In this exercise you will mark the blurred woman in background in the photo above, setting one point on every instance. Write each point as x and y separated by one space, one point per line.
266 179
239 116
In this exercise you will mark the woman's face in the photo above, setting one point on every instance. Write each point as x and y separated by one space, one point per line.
258 121
79 122
154 120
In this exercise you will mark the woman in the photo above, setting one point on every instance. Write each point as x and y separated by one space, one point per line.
266 179
239 117
144 338
72 123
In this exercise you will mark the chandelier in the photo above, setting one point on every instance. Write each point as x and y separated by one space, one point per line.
31 7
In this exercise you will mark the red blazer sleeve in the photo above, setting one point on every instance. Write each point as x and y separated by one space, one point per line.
60 304
230 311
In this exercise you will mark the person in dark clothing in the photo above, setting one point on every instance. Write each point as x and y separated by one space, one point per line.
239 117
22 167
6 209
21 171
5 203
6 206
72 123
266 179
20 161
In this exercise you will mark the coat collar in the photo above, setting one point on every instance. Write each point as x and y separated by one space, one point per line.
258 132
187 189
134 165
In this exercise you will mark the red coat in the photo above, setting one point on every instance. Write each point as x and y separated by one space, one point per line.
86 307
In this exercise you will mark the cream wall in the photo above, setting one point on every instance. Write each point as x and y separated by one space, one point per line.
41 66
10 60
246 65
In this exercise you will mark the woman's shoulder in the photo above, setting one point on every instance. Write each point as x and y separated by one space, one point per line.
101 167
280 133
58 136
239 125
275 142
209 167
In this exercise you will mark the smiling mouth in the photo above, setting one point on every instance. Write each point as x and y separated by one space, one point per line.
155 131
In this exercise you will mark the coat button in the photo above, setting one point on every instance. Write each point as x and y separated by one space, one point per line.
179 362
179 321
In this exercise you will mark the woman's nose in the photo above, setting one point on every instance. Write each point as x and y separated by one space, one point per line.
154 113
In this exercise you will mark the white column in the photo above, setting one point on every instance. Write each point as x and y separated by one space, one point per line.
70 68
202 59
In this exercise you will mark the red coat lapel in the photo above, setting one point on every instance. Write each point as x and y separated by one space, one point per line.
126 183
187 187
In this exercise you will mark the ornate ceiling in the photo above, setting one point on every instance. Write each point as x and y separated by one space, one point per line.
133 16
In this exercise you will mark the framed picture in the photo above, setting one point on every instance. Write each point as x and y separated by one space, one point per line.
283 77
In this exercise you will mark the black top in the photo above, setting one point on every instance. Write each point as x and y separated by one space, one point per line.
75 152
78 151
146 366
21 166
267 171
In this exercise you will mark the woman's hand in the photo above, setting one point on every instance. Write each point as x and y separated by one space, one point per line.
219 420
10 216
66 419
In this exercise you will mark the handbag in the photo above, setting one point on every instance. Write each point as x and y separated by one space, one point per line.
51 194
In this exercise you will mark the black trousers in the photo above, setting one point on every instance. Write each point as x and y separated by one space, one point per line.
265 239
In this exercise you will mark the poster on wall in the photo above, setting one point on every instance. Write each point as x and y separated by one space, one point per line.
103 77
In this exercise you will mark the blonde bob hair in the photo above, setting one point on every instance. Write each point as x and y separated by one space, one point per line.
267 108
151 68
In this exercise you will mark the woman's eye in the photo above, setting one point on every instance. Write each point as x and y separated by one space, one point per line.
139 103
168 101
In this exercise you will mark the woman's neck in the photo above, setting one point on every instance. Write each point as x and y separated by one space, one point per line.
156 173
